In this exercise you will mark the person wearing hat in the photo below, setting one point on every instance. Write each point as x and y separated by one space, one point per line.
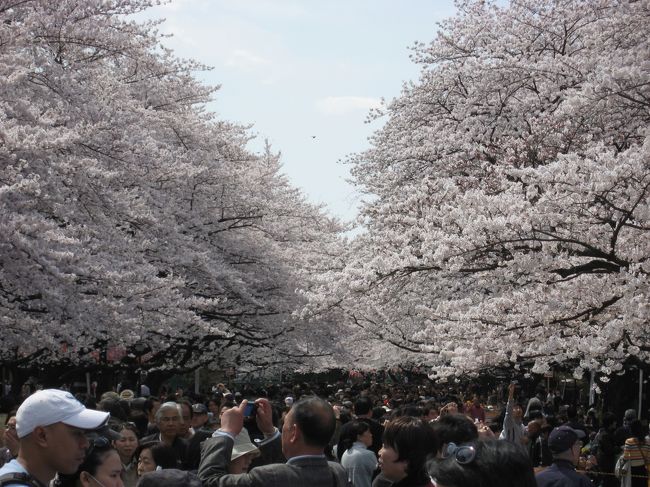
565 444
127 395
243 453
306 432
144 390
199 415
202 431
51 426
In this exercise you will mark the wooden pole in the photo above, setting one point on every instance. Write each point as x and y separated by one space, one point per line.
640 392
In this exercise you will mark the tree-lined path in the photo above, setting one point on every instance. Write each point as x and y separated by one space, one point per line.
506 217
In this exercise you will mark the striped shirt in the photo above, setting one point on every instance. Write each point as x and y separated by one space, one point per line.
637 453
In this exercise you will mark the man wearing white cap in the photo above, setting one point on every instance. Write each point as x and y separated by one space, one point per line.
51 426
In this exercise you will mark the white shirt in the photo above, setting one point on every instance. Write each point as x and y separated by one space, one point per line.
360 463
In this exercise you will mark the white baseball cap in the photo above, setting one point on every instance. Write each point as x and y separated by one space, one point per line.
50 406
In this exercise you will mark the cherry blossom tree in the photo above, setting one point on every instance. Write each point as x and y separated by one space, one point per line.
129 216
508 209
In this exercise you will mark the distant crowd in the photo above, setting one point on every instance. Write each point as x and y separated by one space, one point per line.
338 435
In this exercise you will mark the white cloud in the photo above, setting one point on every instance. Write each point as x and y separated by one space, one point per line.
340 105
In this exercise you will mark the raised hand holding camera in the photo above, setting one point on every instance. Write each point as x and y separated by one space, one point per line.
232 420
264 416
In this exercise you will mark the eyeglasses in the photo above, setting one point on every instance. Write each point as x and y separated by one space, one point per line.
463 454
98 441
92 477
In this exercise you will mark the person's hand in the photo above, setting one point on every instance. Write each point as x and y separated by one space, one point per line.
11 439
264 416
592 462
582 463
232 420
337 411
449 408
484 432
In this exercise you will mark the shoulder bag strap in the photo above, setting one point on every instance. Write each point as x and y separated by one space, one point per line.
18 478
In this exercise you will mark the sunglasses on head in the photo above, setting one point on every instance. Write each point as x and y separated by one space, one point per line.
463 454
97 442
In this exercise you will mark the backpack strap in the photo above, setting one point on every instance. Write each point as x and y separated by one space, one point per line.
21 478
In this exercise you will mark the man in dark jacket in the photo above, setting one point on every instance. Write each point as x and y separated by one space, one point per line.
606 451
168 420
538 451
307 430
564 443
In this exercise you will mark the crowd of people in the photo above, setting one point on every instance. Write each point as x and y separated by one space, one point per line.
361 436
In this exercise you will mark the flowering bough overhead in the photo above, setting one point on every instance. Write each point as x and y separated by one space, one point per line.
128 216
509 210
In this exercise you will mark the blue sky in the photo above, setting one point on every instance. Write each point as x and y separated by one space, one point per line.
298 69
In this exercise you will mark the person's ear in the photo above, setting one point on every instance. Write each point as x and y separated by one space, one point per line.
84 479
40 436
296 434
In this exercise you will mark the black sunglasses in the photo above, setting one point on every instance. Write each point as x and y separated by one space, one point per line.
97 442
463 454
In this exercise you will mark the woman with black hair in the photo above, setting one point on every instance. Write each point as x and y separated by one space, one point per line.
492 463
101 468
10 449
352 451
408 443
126 446
636 453
154 455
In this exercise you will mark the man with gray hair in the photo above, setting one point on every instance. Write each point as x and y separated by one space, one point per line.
168 420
